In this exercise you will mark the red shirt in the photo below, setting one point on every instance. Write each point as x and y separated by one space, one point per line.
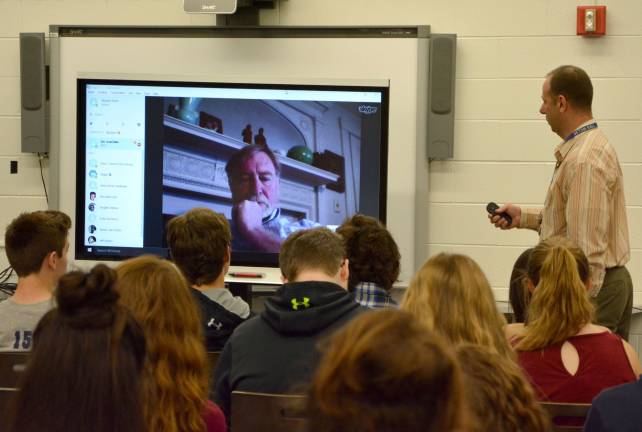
603 363
214 418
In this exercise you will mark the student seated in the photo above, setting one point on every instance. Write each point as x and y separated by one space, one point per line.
199 244
616 409
36 245
567 358
176 376
518 294
374 260
84 371
451 295
498 394
387 372
275 352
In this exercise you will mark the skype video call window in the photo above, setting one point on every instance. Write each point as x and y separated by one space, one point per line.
275 158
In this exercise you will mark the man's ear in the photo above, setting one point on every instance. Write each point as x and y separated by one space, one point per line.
344 271
562 103
51 259
228 255
529 285
284 279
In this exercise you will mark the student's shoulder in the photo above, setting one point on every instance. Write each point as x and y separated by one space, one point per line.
514 331
631 392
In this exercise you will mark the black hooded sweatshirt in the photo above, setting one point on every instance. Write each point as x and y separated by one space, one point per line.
275 352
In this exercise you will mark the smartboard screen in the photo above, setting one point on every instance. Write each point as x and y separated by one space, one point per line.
272 158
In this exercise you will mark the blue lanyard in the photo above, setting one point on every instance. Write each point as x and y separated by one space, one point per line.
581 130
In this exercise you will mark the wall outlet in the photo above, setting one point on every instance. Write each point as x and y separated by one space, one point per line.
13 167
336 206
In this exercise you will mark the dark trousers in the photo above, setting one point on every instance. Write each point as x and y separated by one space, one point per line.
615 301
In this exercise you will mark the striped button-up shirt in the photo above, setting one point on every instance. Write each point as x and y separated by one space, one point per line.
585 202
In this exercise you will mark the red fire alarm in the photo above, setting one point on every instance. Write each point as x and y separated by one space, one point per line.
591 20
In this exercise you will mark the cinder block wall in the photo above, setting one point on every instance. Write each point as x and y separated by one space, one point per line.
503 148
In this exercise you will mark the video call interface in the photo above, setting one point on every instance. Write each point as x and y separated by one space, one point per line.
148 151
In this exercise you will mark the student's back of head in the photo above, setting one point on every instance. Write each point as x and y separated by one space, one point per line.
386 372
199 243
32 237
451 295
316 251
560 306
176 376
498 394
373 254
518 294
83 372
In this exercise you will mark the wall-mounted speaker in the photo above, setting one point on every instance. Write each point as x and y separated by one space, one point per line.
33 93
441 96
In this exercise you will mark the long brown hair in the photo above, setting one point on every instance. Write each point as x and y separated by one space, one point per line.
560 305
387 372
497 392
451 295
176 376
84 371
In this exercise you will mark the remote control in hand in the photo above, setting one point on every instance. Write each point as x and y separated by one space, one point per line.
492 208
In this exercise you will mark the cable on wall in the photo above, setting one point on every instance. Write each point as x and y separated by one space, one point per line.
42 156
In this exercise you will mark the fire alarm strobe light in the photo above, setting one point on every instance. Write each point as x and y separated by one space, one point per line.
591 20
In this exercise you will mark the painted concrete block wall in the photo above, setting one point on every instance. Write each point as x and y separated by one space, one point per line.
503 146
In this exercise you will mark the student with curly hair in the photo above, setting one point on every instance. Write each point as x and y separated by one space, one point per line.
497 392
176 374
84 370
567 358
451 295
386 372
374 260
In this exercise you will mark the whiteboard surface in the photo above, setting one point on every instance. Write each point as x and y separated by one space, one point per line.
361 61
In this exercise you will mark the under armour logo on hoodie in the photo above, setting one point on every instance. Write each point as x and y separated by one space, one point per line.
213 323
305 303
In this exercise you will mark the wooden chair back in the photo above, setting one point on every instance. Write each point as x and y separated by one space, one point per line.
566 416
262 412
12 364
5 396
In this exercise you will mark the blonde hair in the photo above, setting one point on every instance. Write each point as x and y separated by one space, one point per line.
451 295
176 377
560 305
497 392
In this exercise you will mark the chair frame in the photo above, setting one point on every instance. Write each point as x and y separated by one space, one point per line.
560 409
256 412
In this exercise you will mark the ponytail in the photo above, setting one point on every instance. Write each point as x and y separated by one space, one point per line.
560 306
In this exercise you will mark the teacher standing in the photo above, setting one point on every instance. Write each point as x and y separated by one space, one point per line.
585 199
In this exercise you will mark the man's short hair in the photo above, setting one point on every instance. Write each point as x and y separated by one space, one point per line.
372 252
313 249
30 237
233 167
198 244
573 83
